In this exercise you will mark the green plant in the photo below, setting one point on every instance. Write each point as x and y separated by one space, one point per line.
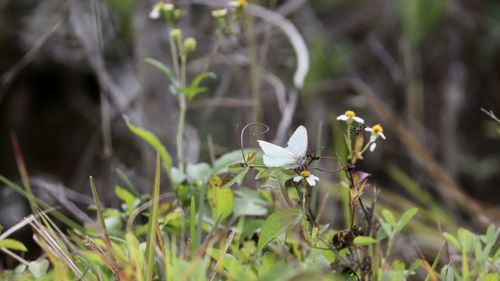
247 215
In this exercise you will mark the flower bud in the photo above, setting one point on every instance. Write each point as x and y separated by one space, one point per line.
189 44
176 34
219 13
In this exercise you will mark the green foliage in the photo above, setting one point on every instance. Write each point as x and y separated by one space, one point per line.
478 256
12 244
154 142
238 219
194 88
277 224
221 200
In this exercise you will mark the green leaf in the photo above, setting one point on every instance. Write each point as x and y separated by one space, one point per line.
387 228
38 268
233 157
221 201
166 71
200 172
364 240
448 273
416 264
20 269
12 244
202 76
177 175
194 89
465 238
398 265
234 268
452 239
277 178
492 234
250 226
389 217
153 222
490 277
238 178
128 198
154 142
277 223
249 203
405 218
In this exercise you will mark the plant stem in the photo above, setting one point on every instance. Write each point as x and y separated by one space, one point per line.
465 266
182 116
366 147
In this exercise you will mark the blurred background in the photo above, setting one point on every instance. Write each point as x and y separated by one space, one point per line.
421 68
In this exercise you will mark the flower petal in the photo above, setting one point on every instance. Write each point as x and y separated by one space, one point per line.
310 181
154 14
168 6
368 129
297 178
358 119
314 177
343 117
373 137
382 135
372 147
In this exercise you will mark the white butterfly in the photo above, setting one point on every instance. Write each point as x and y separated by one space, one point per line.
291 157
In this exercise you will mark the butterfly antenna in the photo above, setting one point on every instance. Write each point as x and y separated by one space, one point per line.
254 134
327 171
328 157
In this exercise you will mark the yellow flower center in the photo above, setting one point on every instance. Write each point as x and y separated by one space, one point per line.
305 174
350 114
241 3
377 129
158 5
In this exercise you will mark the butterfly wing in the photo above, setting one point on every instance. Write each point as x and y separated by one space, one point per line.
277 156
297 143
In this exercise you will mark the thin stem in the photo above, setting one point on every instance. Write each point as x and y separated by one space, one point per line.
254 75
182 116
366 147
213 53
175 55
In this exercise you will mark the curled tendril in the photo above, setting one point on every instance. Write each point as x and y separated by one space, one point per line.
253 134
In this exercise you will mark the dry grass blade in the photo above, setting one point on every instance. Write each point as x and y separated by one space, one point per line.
51 241
226 247
16 227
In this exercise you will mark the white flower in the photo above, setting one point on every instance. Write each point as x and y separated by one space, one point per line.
219 13
376 131
310 178
158 7
350 115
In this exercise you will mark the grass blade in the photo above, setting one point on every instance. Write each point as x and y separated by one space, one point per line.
153 222
58 215
21 166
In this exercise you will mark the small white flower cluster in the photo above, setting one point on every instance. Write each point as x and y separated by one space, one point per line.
160 7
376 130
306 175
238 4
220 13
